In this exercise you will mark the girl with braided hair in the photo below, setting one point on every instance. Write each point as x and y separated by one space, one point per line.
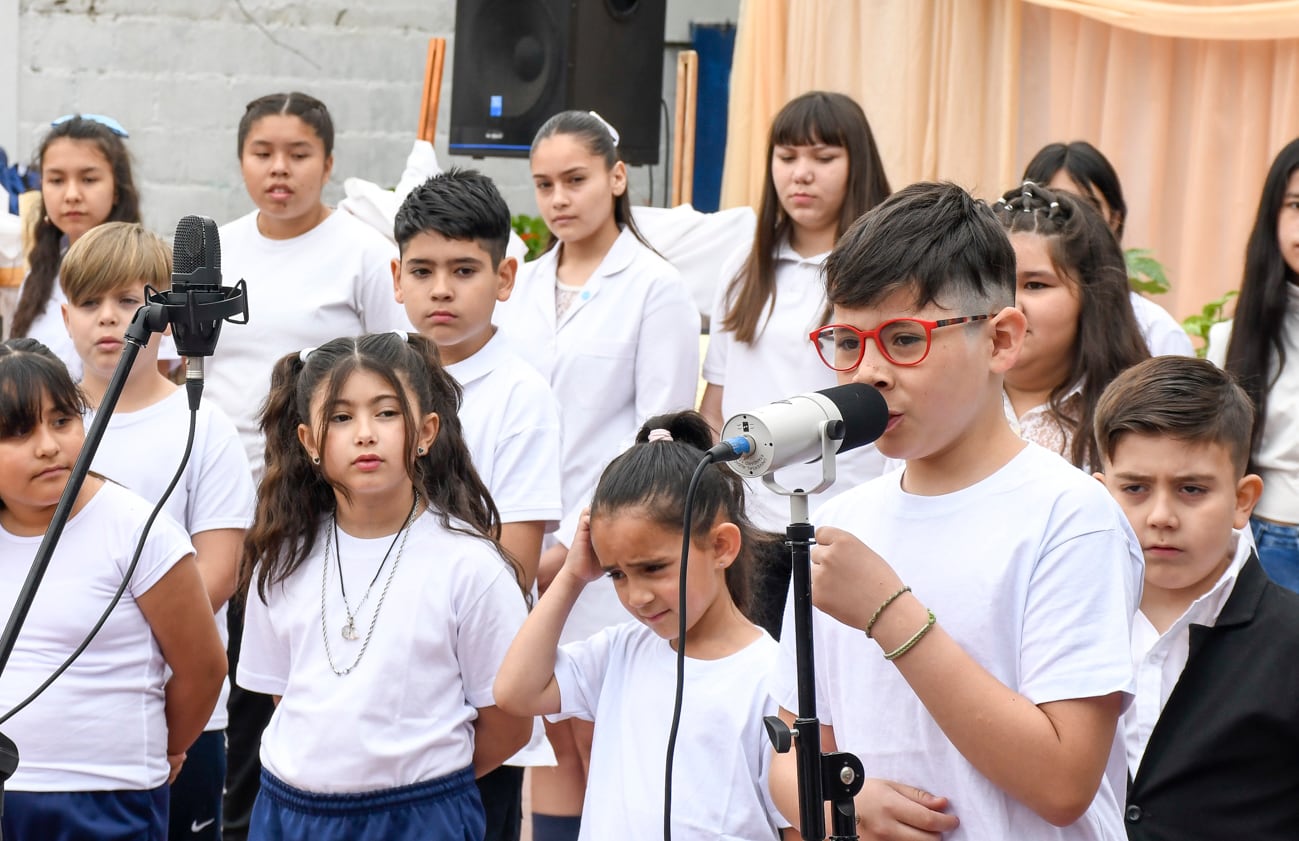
1072 286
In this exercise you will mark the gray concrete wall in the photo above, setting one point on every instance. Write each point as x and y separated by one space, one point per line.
177 73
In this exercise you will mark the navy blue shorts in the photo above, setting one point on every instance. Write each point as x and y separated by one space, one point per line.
196 794
85 815
447 809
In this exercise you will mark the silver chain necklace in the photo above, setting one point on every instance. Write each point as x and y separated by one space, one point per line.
349 628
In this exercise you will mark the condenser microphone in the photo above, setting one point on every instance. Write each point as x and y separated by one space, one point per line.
197 303
791 432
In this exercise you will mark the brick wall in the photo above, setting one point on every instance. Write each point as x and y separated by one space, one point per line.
177 73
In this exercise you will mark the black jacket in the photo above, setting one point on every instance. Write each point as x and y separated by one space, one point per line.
1223 759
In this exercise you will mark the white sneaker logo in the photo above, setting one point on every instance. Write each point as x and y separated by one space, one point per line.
199 827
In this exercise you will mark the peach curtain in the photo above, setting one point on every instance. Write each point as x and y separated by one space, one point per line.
968 90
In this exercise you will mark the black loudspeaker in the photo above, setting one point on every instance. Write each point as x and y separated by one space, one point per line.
520 62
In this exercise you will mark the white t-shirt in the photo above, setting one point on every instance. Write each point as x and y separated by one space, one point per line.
335 280
627 349
511 424
1034 571
101 725
623 679
405 713
1160 658
48 329
141 451
781 363
1163 334
1277 457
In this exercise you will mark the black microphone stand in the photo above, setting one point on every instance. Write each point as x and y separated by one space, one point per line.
151 318
195 308
822 777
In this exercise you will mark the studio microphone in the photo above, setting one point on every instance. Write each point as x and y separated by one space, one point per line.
788 431
197 303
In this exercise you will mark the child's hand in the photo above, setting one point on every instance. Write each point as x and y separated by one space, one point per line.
581 562
848 579
174 762
888 810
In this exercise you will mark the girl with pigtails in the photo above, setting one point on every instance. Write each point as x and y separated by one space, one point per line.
380 603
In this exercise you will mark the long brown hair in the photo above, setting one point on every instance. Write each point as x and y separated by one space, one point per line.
816 117
47 239
1256 352
295 495
1084 249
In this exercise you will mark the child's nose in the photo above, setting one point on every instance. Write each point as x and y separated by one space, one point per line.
873 370
44 441
364 432
1162 512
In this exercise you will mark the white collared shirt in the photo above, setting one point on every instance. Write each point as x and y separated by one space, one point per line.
1158 659
510 423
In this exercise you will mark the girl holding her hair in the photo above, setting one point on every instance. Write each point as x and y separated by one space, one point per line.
1072 286
382 603
623 678
85 181
611 325
1260 347
100 745
823 171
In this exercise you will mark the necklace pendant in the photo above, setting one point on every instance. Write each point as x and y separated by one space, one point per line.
349 630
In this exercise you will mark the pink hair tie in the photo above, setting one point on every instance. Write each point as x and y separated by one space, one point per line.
659 435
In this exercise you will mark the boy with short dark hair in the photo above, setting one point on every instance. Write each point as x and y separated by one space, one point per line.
998 586
104 275
452 231
1213 733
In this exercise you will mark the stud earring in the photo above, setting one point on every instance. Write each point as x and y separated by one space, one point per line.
315 459
420 450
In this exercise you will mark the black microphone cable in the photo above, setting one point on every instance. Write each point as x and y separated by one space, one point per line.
728 450
126 580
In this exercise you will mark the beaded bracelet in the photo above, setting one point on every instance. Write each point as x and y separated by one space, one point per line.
879 610
906 646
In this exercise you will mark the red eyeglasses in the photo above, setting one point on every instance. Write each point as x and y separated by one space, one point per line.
902 341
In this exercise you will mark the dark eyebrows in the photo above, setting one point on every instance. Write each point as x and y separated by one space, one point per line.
1195 478
643 562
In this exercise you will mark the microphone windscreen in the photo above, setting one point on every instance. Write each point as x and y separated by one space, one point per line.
864 410
187 248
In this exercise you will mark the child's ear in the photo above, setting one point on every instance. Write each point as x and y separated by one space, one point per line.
428 431
1248 490
1008 328
63 308
618 178
725 539
308 441
396 281
505 274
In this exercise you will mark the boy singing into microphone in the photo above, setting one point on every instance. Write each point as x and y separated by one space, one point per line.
974 607
452 231
104 275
